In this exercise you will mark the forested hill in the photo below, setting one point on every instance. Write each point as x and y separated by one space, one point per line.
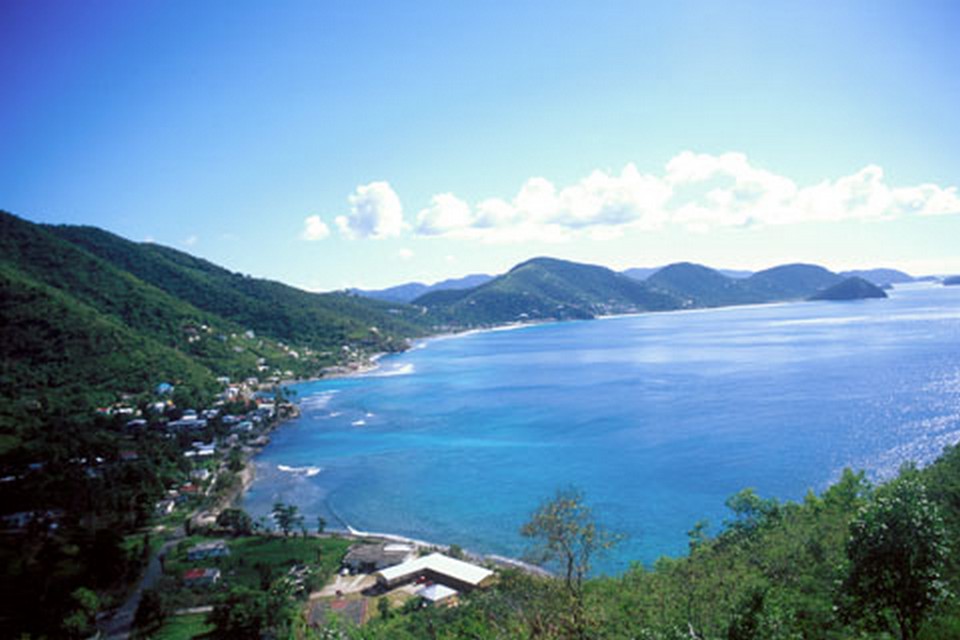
319 320
88 315
546 289
413 290
551 289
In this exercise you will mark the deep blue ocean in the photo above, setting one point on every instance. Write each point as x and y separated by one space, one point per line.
658 418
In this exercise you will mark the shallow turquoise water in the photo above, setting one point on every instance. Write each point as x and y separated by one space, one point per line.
658 418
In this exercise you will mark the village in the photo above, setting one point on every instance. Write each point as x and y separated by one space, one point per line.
205 546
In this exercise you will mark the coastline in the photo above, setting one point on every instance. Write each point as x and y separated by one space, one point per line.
374 363
248 474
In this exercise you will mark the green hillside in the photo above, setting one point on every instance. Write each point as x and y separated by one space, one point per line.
545 289
700 286
60 354
321 321
791 281
89 316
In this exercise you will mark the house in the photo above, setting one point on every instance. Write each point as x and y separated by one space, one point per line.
202 450
204 550
439 595
200 474
437 567
165 507
201 577
367 558
187 423
186 492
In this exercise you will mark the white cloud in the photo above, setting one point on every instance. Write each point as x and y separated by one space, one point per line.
190 240
405 254
314 229
446 213
695 191
375 212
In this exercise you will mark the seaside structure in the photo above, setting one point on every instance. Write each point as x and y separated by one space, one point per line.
437 568
212 549
439 595
367 558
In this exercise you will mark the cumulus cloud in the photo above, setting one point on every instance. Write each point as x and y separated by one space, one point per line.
446 213
405 254
314 229
694 191
375 212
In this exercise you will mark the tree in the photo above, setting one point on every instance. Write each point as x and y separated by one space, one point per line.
751 512
244 614
236 520
897 553
383 607
321 524
80 622
567 536
235 460
287 517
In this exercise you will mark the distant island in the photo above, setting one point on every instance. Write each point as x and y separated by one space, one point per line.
951 281
854 288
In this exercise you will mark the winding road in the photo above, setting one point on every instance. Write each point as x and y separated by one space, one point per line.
119 625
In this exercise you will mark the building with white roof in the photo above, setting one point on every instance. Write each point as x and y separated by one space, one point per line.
437 567
438 594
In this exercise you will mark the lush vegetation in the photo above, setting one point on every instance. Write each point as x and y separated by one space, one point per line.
857 561
88 316
696 285
545 288
183 627
550 289
319 321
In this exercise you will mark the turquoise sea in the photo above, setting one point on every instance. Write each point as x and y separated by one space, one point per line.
657 417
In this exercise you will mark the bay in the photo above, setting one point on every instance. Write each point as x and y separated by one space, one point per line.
658 418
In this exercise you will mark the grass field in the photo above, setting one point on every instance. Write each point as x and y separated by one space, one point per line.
183 628
256 560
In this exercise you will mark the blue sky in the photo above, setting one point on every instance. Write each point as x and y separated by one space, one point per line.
333 144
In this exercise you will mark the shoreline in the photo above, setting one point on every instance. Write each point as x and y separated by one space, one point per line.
248 475
373 364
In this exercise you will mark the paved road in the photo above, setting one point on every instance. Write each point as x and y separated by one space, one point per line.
118 626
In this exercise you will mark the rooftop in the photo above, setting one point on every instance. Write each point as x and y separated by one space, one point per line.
436 592
438 563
